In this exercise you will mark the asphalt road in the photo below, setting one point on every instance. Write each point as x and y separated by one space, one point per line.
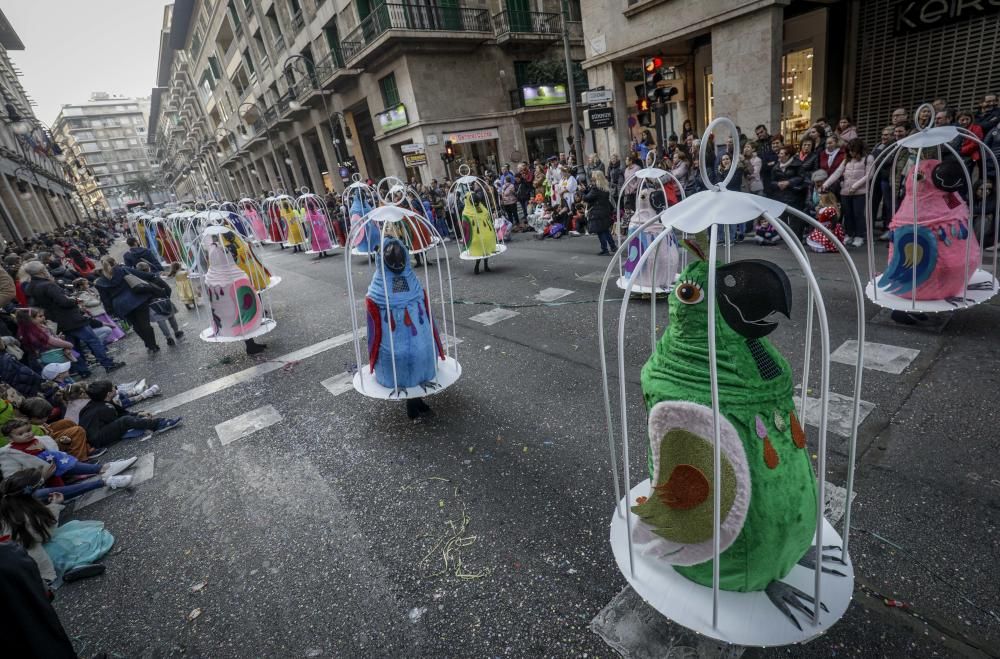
346 530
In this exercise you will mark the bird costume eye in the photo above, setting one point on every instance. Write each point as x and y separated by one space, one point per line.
690 292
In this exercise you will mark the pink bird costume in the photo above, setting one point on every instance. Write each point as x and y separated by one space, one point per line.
942 247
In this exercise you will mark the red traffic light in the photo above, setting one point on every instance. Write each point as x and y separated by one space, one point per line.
654 64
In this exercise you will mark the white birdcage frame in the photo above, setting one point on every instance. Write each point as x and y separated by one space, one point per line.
930 136
399 194
236 218
369 197
248 205
287 202
155 222
647 177
464 184
448 370
218 217
271 203
746 619
209 229
307 201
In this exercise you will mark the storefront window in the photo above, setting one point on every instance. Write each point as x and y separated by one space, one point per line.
542 143
796 93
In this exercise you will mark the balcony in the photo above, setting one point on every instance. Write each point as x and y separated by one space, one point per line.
521 26
389 19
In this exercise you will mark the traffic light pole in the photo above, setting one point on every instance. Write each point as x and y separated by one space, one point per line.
571 88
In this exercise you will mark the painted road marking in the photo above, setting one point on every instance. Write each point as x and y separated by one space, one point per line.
338 384
494 316
878 356
839 421
836 502
141 472
593 277
552 294
247 424
450 340
246 375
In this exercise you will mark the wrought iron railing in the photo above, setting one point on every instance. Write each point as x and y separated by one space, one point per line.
526 22
387 17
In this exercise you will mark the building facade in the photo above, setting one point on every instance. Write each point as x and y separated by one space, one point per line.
257 95
105 140
34 193
787 63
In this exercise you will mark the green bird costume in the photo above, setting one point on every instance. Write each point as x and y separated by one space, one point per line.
768 484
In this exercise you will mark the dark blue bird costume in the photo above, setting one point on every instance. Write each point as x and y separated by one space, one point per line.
398 307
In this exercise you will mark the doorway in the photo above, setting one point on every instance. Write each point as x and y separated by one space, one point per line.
369 149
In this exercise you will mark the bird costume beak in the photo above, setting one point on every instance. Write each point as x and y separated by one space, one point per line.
750 294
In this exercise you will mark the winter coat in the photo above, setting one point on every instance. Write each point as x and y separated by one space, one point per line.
828 164
794 194
132 257
616 174
8 291
12 372
97 414
599 211
807 165
116 294
62 310
508 194
523 191
853 175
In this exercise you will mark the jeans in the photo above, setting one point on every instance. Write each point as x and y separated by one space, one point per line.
76 489
102 333
84 336
524 207
139 318
853 206
172 324
113 432
607 242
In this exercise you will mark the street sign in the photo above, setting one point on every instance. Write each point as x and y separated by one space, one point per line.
414 159
412 148
597 96
600 118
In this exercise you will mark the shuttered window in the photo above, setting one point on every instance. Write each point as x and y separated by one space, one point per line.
956 62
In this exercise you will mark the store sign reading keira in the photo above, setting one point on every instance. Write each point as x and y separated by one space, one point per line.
917 15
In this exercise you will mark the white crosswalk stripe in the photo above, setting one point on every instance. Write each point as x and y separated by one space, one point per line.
247 424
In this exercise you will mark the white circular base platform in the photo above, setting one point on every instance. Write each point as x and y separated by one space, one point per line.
465 254
448 373
747 619
357 252
972 297
294 244
436 241
639 289
266 326
275 280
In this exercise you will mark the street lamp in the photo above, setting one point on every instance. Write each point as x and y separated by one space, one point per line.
267 130
310 72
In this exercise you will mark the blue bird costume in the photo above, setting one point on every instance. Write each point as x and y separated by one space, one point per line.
367 240
398 307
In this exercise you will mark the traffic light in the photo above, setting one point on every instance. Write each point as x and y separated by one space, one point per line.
642 105
653 67
449 151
